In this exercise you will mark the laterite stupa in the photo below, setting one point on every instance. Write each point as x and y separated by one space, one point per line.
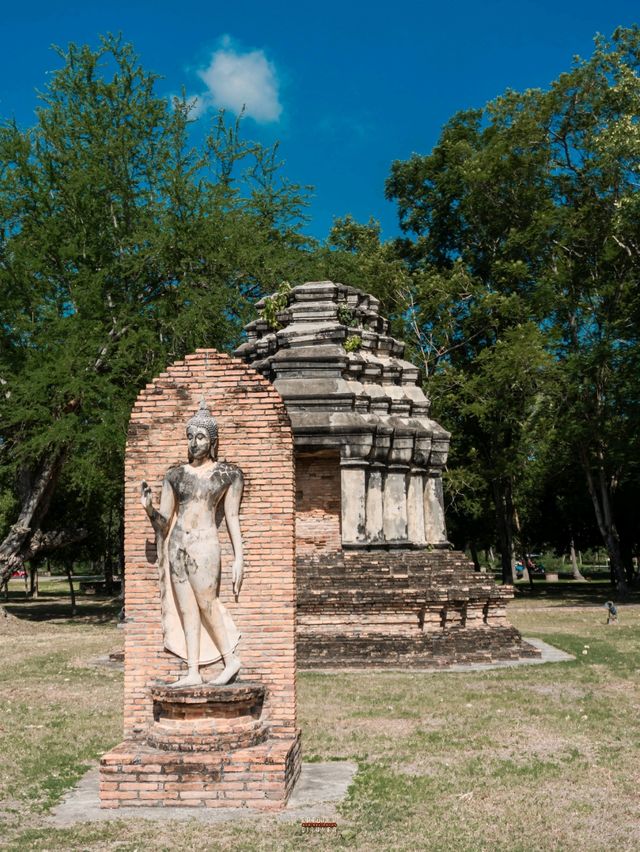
378 582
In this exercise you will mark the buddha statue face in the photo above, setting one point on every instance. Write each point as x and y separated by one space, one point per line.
202 434
200 445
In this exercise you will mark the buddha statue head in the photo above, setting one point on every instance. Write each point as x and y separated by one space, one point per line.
202 433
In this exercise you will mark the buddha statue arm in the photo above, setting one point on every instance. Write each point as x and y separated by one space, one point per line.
160 520
231 511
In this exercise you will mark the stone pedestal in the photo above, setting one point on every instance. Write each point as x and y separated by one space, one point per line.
208 746
135 774
207 718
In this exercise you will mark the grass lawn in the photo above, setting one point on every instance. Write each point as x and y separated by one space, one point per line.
532 758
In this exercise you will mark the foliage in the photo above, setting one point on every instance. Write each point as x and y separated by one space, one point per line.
346 316
473 310
8 506
354 254
353 343
590 119
275 304
521 230
124 247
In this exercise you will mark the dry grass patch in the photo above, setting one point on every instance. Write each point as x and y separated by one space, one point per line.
56 718
530 758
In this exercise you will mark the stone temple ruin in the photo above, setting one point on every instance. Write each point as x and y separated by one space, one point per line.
377 580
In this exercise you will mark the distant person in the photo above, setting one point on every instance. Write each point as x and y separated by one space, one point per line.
612 614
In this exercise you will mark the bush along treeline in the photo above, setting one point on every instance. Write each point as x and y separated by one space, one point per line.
126 244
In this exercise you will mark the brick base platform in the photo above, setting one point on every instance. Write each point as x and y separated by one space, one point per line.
401 608
135 774
451 647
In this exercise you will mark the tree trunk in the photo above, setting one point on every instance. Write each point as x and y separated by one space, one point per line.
33 575
107 561
474 555
602 505
69 571
575 571
36 494
526 573
504 522
626 553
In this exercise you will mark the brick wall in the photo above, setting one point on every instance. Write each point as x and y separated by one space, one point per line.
318 503
254 433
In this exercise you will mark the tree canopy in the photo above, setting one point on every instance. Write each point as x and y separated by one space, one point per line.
124 246
522 235
129 240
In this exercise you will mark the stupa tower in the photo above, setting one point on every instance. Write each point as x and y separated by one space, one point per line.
377 579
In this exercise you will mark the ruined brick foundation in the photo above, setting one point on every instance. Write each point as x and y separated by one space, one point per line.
401 609
135 774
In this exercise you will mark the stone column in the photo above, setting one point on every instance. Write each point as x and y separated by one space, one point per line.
374 509
396 482
375 485
415 506
395 504
434 523
353 483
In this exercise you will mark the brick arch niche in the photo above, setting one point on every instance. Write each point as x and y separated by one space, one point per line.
255 434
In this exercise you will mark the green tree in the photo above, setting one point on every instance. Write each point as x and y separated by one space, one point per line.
123 247
589 121
355 254
474 308
535 199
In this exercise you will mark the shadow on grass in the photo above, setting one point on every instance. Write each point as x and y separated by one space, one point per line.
571 593
57 607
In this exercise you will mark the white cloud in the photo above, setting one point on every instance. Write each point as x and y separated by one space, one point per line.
238 80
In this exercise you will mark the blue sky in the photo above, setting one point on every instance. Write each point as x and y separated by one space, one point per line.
347 87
